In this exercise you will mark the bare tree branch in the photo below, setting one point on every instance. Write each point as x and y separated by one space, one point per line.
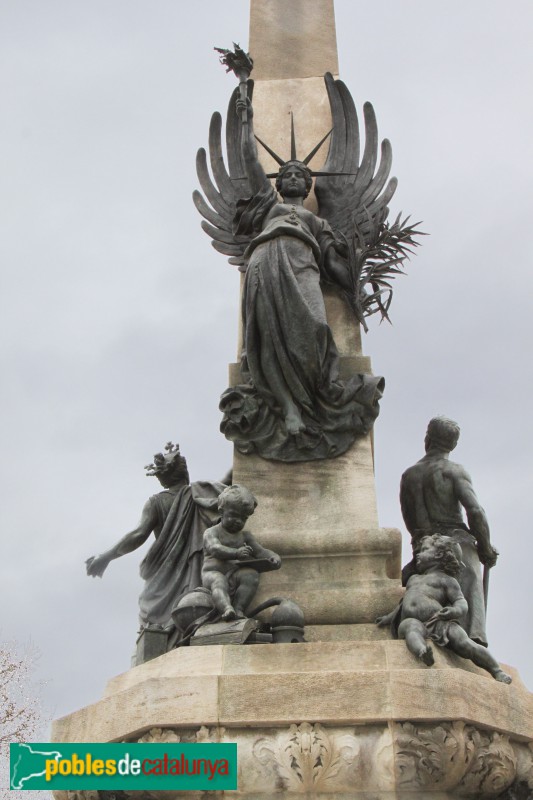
21 715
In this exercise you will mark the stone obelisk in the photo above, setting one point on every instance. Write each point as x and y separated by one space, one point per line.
351 713
320 516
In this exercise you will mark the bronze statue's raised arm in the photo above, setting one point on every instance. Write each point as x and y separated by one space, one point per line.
254 171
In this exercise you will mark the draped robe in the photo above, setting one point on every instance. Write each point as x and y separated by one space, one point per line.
172 566
288 345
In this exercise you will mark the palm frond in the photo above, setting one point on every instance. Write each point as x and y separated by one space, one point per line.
375 258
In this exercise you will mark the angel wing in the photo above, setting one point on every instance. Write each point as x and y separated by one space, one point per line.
355 203
225 189
360 196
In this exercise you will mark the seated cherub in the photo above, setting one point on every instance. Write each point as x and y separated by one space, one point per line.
225 545
434 607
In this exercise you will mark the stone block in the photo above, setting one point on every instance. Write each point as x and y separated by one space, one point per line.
352 577
303 501
346 633
354 682
155 702
340 603
292 39
169 666
337 657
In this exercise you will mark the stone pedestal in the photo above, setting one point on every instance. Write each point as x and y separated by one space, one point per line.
348 720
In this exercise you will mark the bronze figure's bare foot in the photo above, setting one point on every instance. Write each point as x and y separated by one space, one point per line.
229 614
294 424
502 676
426 655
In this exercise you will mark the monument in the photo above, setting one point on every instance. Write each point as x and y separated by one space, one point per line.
351 712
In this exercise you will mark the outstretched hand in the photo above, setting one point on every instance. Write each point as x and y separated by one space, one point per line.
96 566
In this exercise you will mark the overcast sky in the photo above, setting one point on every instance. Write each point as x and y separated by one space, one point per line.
119 319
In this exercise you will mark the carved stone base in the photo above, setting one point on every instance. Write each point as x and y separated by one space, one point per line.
358 719
401 760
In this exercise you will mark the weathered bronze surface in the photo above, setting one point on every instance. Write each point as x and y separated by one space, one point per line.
233 556
178 517
435 608
291 404
433 493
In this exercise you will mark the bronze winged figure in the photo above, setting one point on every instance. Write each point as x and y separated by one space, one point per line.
291 404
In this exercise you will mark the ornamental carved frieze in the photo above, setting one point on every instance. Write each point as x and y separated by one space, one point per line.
431 756
493 766
307 758
444 760
458 757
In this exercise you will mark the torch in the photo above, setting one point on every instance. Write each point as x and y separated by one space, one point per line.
241 64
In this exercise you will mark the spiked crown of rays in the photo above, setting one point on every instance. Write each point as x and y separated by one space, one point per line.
294 159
